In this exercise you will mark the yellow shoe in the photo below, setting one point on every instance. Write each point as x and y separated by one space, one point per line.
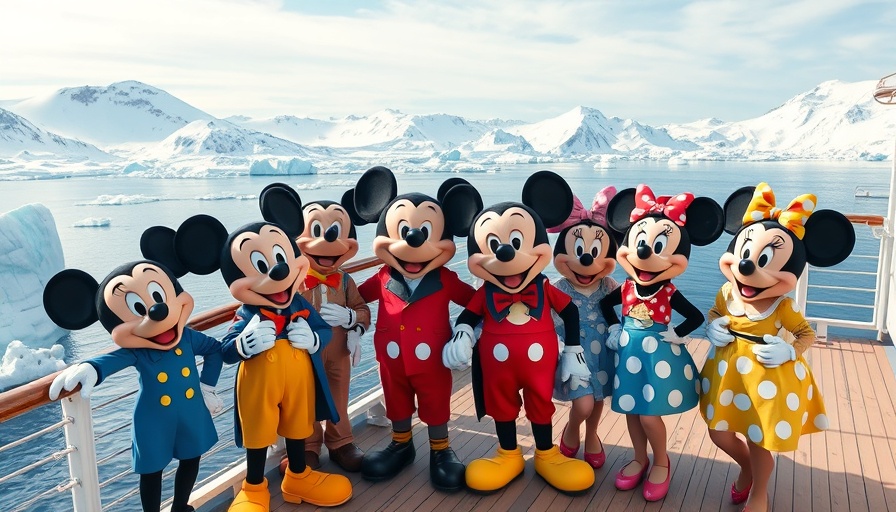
488 475
563 473
252 498
321 489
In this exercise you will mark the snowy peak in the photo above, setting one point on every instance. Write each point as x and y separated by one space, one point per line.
221 138
17 134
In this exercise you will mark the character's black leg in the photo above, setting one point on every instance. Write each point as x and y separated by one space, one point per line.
151 491
543 436
184 479
255 458
295 452
506 431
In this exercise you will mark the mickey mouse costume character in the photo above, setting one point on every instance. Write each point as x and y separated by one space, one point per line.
276 336
655 375
517 350
754 382
414 237
145 309
585 255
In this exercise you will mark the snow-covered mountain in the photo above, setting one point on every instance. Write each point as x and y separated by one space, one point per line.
221 138
19 137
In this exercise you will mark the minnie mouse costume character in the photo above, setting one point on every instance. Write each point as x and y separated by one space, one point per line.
754 382
655 375
585 255
276 337
517 350
414 237
145 309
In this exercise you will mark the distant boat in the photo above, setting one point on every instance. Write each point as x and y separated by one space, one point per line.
872 193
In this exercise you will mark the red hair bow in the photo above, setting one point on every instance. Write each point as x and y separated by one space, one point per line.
672 207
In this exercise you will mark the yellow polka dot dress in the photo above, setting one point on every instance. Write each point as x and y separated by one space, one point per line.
772 407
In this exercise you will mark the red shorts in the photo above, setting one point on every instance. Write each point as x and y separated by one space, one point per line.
432 389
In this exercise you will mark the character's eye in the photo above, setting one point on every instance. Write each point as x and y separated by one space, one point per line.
493 243
279 254
765 257
745 253
660 243
641 239
156 292
317 229
135 304
596 248
579 247
338 226
516 239
403 229
259 262
426 228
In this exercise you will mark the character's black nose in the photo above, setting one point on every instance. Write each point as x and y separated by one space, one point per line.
586 259
644 251
415 237
158 311
746 267
279 272
505 252
331 234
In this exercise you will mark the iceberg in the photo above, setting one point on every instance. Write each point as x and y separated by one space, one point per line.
93 222
22 364
280 167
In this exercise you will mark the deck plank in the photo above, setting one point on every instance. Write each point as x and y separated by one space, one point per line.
851 466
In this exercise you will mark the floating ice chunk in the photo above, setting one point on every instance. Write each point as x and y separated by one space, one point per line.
23 364
93 222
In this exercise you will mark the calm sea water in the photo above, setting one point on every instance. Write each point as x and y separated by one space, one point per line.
168 202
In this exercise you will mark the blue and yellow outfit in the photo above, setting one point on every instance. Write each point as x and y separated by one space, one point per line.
171 420
283 390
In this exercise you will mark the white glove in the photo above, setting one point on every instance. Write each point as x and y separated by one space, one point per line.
82 373
211 399
300 336
717 332
670 336
338 316
775 353
572 363
353 341
613 335
458 352
258 335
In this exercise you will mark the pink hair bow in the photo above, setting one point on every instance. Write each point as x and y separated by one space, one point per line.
597 214
672 207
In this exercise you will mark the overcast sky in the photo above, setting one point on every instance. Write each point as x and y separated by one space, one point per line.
655 61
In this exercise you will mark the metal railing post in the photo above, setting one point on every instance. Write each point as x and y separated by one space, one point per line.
82 461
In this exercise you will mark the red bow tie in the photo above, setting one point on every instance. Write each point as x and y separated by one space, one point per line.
529 297
281 320
331 280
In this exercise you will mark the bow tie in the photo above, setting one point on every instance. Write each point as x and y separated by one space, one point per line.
332 280
672 207
528 296
793 218
280 321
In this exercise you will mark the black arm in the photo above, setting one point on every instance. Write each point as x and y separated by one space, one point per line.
570 317
469 318
608 305
693 317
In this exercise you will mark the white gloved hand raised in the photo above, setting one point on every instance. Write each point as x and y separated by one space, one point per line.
670 336
717 332
613 334
211 399
572 363
300 336
775 352
82 373
353 341
458 352
338 316
258 335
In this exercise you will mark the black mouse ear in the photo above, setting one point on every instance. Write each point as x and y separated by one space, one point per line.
70 299
280 204
375 190
446 186
198 243
157 244
348 202
735 207
549 195
829 238
705 221
460 204
619 212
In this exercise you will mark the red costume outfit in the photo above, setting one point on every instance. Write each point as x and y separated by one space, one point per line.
411 330
518 357
658 306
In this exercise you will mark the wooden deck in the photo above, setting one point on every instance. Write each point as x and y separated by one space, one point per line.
852 466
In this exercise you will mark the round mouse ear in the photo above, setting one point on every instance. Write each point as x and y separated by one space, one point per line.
829 238
198 243
375 190
348 202
735 207
460 204
705 221
446 186
70 299
157 244
280 204
549 195
619 211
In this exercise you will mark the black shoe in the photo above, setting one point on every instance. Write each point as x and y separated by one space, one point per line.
446 471
385 464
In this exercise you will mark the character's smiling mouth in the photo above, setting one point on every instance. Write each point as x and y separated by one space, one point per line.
324 261
515 280
413 267
583 279
748 292
279 298
166 337
646 276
